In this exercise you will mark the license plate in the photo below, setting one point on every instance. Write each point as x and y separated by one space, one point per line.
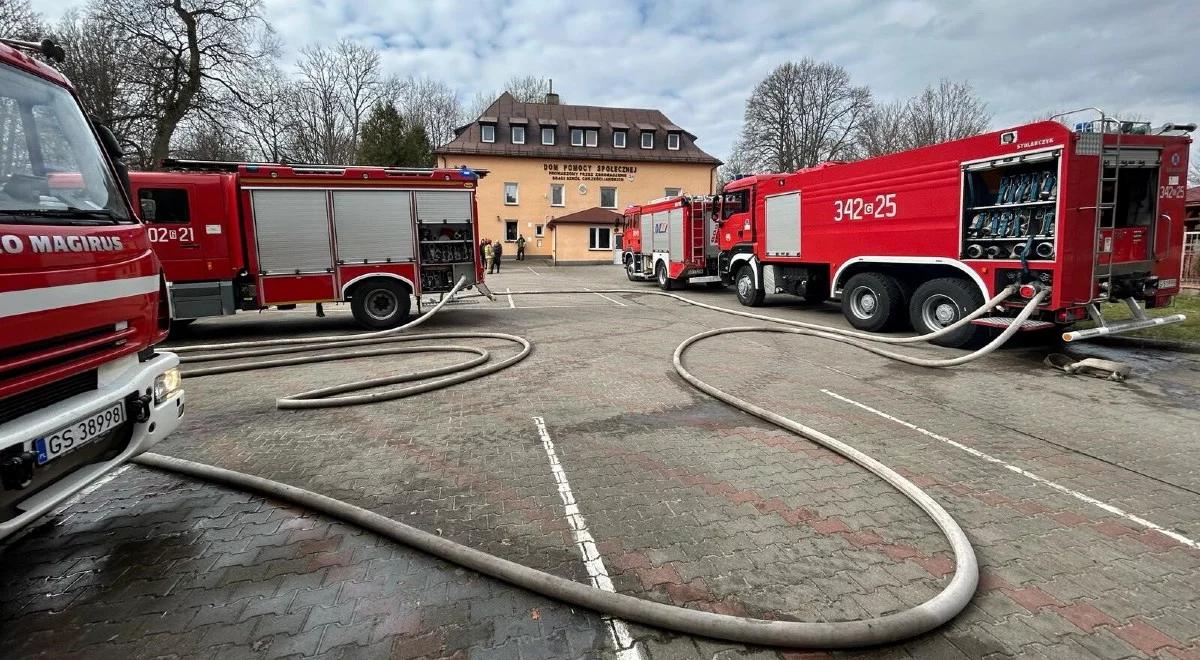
78 433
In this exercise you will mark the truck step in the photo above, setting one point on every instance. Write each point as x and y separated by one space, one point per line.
705 279
1027 325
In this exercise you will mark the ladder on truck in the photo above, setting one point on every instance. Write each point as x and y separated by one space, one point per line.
1103 274
700 210
699 236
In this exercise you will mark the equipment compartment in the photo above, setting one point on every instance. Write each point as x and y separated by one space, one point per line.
1009 206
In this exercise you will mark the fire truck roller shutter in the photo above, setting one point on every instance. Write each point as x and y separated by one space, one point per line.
647 223
783 225
675 234
438 206
292 230
660 241
373 225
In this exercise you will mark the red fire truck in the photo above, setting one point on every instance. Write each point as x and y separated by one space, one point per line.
244 236
922 237
82 300
673 241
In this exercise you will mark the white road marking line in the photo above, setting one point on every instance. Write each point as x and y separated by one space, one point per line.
511 304
1025 473
611 300
618 632
534 271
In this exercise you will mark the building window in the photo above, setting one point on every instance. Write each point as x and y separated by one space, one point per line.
647 140
558 195
619 139
164 205
547 135
518 135
576 137
593 137
487 133
671 192
510 194
539 231
599 238
510 230
608 198
673 141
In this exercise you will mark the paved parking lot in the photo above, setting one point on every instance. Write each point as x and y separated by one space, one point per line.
1082 497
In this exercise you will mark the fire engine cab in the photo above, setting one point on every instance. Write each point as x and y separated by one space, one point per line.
923 237
245 236
82 300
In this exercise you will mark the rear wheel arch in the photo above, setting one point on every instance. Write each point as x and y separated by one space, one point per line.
909 274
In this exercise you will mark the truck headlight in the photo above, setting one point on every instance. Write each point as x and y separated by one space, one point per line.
167 384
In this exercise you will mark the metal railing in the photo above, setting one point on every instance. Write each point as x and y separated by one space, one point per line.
1191 259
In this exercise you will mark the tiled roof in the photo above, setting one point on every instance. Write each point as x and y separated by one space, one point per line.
1193 196
592 216
506 111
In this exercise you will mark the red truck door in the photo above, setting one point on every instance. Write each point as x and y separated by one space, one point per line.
188 226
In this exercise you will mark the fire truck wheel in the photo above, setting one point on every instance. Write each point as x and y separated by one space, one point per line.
873 302
748 294
939 303
380 304
629 271
665 283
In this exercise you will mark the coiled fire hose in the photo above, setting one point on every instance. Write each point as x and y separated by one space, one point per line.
840 634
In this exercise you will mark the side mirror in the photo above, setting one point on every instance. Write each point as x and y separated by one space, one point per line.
115 153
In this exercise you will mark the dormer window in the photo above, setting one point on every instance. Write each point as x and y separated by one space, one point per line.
518 135
487 132
673 141
619 139
592 137
548 135
576 137
647 140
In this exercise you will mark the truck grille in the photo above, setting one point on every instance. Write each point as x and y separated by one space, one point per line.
40 397
37 356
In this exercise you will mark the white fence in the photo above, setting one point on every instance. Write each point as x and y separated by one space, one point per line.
1191 259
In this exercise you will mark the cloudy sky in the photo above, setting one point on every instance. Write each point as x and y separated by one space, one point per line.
698 61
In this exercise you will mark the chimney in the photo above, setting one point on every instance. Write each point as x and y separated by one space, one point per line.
551 97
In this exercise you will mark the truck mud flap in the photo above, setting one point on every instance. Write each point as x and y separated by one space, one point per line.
485 291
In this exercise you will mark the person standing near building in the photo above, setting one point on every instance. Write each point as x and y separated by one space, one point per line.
520 247
488 257
497 251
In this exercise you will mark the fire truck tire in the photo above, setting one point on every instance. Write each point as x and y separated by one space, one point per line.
629 271
748 293
873 302
664 281
941 302
380 304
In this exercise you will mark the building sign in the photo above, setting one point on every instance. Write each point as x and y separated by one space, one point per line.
590 172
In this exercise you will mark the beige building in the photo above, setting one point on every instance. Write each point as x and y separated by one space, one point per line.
560 175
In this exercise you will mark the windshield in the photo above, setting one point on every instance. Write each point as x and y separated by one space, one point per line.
51 166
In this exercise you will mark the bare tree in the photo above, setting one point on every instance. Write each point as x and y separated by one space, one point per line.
432 104
884 130
801 114
336 89
265 115
946 111
524 88
180 52
18 20
527 88
201 139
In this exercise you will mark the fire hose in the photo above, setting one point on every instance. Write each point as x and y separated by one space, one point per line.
840 634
